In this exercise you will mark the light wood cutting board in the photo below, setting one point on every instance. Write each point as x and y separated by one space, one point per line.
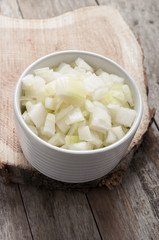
98 29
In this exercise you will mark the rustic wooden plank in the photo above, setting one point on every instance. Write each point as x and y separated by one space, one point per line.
49 8
142 17
36 9
13 221
124 213
147 168
58 214
64 6
131 211
151 146
10 8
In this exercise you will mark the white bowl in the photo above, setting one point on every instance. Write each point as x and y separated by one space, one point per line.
68 165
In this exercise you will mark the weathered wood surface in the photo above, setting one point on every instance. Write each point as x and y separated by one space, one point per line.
13 220
39 37
130 211
49 8
59 214
10 8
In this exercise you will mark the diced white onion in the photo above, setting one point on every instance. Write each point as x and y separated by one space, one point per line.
73 107
74 116
49 125
38 114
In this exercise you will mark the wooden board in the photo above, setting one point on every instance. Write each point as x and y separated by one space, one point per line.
13 219
98 29
59 214
124 209
49 8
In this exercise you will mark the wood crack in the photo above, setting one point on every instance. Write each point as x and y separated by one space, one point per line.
94 217
97 2
25 212
19 9
156 124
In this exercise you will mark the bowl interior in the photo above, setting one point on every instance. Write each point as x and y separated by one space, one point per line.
96 61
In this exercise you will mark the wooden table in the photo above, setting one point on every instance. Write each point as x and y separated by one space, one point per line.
131 211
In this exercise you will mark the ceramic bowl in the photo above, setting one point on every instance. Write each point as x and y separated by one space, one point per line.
68 165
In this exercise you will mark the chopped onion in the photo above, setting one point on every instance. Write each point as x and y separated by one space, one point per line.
73 107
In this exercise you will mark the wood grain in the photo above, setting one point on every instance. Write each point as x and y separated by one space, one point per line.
93 29
133 207
49 8
10 8
147 168
13 221
125 212
58 215
36 9
151 146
